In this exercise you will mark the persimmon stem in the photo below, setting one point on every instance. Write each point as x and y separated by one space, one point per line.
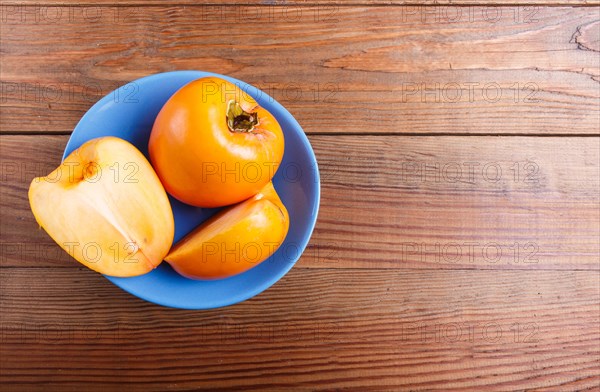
238 120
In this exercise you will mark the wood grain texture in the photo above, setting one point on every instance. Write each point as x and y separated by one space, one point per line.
401 287
316 329
396 202
294 3
442 70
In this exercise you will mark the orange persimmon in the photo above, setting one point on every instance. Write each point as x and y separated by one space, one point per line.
234 240
212 145
106 207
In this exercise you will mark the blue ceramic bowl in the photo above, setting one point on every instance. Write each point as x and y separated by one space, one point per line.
129 112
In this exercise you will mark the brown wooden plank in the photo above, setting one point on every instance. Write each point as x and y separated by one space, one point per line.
316 329
483 70
321 3
397 202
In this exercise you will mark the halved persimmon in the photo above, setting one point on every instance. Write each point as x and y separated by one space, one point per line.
106 207
235 240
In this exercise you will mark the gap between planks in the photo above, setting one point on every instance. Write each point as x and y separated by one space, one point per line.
326 269
307 5
407 134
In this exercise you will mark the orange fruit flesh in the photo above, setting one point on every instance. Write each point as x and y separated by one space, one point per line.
106 207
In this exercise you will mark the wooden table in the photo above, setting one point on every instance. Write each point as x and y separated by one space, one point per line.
457 245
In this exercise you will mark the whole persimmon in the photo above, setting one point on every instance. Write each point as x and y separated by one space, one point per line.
212 144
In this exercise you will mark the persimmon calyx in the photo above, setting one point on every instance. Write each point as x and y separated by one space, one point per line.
238 120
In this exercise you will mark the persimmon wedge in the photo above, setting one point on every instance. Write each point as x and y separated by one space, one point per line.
106 207
212 145
235 240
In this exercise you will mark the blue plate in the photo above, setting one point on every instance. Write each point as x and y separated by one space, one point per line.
129 113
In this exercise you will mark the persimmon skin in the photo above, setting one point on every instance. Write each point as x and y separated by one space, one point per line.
233 241
198 157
